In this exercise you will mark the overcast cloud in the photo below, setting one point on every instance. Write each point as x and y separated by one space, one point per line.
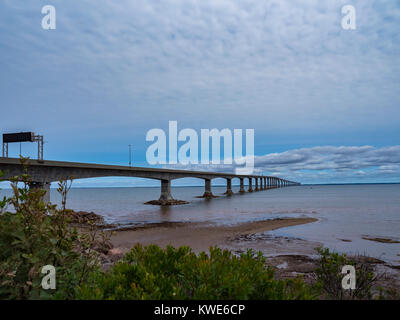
112 70
327 164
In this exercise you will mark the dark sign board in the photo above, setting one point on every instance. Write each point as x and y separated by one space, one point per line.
18 137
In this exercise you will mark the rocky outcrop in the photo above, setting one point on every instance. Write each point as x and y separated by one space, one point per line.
170 202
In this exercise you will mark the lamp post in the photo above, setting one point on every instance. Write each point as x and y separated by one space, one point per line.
130 155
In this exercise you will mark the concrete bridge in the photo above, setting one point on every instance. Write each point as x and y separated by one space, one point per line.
43 172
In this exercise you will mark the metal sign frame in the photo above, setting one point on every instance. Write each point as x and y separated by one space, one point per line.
34 138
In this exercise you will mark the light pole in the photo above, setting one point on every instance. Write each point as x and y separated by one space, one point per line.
130 155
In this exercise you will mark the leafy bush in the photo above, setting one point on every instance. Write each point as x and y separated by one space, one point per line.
178 273
388 294
329 276
38 234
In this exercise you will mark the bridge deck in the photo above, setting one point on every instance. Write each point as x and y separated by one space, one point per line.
43 172
14 164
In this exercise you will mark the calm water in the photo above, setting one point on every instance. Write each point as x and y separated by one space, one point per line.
344 211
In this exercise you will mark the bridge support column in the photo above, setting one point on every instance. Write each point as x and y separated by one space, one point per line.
207 191
265 183
250 184
242 186
35 185
229 191
166 198
256 180
165 191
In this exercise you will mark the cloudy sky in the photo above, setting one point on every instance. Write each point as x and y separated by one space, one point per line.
324 102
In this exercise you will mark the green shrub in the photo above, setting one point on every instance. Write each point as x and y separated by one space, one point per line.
178 273
38 234
330 278
388 294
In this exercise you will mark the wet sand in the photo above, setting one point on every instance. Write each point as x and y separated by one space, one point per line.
291 257
199 236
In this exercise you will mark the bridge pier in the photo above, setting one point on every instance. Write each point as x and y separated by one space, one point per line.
165 191
256 180
241 190
250 185
229 191
35 185
207 190
166 198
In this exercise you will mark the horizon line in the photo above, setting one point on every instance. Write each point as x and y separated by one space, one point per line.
223 185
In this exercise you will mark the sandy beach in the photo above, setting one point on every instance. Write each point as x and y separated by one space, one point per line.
291 257
199 236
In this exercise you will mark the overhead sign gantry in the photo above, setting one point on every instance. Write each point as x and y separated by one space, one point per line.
22 137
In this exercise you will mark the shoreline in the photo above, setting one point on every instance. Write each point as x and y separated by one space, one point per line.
290 257
198 236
